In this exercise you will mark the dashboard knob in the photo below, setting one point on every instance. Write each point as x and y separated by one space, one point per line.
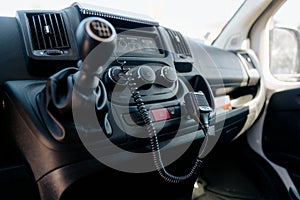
114 76
166 76
144 76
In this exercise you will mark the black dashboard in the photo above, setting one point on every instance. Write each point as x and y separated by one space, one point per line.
41 55
36 45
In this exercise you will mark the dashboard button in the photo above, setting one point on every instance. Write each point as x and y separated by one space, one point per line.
174 111
160 114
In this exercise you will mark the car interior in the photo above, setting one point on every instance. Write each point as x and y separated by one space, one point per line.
101 103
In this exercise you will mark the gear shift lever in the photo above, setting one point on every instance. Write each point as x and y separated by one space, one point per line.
74 88
96 40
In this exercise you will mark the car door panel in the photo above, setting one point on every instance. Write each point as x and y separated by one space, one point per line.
281 135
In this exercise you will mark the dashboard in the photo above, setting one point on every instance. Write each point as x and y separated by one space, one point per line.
42 50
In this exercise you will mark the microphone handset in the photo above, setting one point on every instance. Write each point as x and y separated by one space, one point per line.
198 108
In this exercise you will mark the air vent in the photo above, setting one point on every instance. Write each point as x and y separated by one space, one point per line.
179 43
248 60
48 31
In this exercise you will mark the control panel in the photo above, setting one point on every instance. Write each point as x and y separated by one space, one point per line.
156 82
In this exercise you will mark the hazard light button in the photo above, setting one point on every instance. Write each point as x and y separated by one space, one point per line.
160 114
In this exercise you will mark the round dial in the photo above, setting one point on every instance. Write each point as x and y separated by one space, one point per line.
167 76
144 76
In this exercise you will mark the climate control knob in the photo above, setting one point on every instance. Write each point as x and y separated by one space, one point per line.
144 76
166 76
114 76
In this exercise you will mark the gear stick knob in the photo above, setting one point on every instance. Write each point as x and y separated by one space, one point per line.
91 32
96 40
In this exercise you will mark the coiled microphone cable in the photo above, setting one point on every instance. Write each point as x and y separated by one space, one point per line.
154 143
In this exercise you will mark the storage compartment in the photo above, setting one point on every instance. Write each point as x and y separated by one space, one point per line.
235 120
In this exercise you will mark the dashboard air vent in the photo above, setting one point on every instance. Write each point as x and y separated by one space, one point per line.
179 43
248 60
48 31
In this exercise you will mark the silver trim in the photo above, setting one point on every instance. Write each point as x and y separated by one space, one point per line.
87 9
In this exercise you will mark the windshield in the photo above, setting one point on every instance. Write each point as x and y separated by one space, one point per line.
200 19
285 17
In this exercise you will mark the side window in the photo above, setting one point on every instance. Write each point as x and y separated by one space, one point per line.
285 44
